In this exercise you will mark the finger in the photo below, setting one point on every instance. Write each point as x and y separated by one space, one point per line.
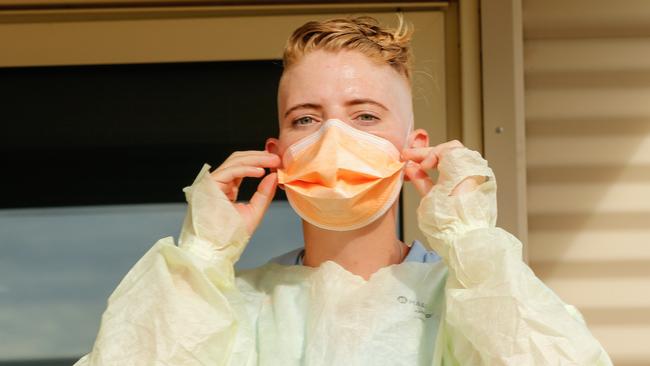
233 192
228 175
431 161
260 159
416 154
262 198
248 153
419 178
427 157
240 154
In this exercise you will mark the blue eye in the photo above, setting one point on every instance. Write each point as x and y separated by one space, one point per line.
371 119
367 115
302 121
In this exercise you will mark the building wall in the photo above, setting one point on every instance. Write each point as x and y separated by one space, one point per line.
587 103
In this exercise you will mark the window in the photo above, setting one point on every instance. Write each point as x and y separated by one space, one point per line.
99 143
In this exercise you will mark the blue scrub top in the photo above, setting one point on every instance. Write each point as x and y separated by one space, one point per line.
418 253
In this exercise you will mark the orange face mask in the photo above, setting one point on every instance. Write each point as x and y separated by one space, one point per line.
340 178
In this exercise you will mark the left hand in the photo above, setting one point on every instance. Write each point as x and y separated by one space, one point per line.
422 159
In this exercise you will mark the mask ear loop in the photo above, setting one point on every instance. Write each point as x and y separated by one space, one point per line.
406 143
408 132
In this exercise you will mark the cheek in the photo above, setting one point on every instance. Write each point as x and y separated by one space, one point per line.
399 144
287 139
391 129
290 136
397 139
282 147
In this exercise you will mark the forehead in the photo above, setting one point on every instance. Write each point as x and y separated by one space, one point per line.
323 75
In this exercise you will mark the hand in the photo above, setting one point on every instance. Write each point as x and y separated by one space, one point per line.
234 169
421 159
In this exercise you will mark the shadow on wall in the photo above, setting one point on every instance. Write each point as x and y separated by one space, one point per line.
588 153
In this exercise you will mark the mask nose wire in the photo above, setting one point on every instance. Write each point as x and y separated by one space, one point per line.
406 137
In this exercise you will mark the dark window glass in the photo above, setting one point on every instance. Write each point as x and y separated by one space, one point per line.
122 134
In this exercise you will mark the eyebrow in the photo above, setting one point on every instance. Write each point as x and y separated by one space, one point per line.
347 104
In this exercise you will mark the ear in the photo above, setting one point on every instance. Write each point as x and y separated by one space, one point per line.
418 138
272 145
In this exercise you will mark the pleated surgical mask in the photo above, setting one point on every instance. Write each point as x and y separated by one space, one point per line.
341 178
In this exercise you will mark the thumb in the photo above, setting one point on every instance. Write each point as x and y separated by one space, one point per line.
261 200
418 177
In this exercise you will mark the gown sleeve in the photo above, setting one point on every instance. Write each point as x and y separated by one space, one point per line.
497 312
179 305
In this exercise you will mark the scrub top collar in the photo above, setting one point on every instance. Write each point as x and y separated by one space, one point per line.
418 253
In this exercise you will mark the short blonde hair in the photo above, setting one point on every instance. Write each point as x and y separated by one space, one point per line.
363 33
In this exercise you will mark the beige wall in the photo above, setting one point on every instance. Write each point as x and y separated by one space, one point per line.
587 111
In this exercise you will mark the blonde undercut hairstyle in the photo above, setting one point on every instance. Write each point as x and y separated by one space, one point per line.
389 46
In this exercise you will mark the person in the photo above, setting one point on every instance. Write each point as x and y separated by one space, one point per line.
355 294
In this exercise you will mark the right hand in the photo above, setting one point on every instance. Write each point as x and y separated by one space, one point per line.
425 158
234 169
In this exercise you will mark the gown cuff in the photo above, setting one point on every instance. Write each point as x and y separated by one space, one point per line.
442 217
212 230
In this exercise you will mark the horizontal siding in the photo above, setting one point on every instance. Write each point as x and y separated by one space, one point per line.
587 100
592 245
544 19
600 292
613 150
583 56
612 196
629 343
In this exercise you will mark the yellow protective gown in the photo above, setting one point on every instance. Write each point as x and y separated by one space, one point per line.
480 305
